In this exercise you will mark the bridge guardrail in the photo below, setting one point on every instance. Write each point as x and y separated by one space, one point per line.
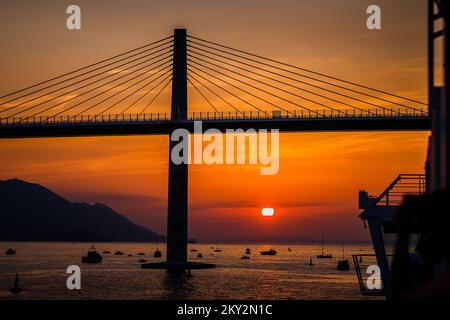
210 116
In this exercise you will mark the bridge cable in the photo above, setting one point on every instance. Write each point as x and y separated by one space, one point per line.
312 78
204 97
112 96
310 71
146 93
93 76
229 92
87 67
140 74
212 91
262 90
154 98
307 83
137 90
269 85
91 90
121 91
273 79
234 95
90 71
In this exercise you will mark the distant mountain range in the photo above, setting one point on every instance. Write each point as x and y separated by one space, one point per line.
31 212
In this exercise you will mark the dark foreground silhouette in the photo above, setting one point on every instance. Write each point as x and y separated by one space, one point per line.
424 273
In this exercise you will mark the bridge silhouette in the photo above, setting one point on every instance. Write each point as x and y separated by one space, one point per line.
243 90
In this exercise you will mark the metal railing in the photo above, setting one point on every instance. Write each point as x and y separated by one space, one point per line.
362 263
68 119
404 184
211 116
311 114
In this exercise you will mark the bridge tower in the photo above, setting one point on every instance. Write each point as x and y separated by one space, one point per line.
177 215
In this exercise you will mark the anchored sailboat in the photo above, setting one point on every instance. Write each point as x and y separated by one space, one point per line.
323 255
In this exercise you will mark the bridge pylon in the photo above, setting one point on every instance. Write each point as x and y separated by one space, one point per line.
177 208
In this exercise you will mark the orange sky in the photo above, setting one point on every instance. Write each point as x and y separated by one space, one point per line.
320 174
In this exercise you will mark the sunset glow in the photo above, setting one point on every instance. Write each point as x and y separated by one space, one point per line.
315 190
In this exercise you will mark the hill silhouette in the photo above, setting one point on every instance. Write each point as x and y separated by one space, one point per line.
31 212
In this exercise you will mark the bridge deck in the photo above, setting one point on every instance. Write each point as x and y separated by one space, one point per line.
110 125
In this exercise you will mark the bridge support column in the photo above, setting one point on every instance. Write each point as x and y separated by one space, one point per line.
177 209
177 215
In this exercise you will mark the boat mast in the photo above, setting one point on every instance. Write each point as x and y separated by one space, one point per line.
322 243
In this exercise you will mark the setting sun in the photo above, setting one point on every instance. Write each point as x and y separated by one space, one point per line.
267 212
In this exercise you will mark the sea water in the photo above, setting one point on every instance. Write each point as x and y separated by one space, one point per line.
42 271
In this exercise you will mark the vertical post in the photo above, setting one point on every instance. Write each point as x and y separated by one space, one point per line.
430 41
177 220
435 165
445 8
432 166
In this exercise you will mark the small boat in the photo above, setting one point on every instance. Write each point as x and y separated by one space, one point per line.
92 257
141 254
106 252
270 252
289 249
130 255
310 262
245 257
247 251
218 250
199 256
343 264
193 250
118 253
142 260
10 252
157 254
323 255
16 288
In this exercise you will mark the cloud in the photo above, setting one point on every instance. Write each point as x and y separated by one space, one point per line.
253 204
134 199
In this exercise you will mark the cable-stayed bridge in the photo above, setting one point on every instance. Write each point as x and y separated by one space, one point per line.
228 89
234 89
